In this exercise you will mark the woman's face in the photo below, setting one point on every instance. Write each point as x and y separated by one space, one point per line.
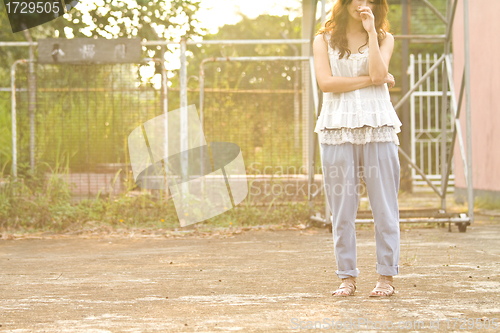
353 7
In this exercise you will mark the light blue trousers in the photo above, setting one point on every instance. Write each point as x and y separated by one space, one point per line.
378 164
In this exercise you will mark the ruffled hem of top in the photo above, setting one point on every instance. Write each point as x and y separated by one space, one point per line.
345 113
359 135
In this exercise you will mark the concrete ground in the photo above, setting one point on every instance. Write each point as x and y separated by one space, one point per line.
246 280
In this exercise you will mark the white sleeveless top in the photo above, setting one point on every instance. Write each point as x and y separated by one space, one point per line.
358 116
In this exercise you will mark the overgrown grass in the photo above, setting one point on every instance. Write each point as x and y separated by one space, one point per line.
34 203
487 203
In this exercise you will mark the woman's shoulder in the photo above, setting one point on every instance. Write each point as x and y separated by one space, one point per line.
323 35
322 39
388 37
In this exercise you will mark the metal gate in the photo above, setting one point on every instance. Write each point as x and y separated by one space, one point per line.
426 133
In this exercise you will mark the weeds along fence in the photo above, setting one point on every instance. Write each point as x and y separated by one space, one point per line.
84 114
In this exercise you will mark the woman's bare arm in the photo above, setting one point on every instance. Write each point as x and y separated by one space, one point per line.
326 81
379 57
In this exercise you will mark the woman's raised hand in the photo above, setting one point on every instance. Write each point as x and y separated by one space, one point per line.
367 18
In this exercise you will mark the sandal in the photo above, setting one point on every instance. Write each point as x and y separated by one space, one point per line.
347 288
384 286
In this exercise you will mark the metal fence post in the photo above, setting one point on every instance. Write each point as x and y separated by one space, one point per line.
444 110
184 120
470 193
164 84
13 116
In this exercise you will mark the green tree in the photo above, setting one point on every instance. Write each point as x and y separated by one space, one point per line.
148 20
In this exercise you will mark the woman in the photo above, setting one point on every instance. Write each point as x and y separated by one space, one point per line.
358 129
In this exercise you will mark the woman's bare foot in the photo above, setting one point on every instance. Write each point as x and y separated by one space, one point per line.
384 287
347 288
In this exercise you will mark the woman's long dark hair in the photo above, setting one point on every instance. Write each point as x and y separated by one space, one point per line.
336 25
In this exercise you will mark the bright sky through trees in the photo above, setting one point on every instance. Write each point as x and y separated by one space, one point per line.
226 11
213 13
216 13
